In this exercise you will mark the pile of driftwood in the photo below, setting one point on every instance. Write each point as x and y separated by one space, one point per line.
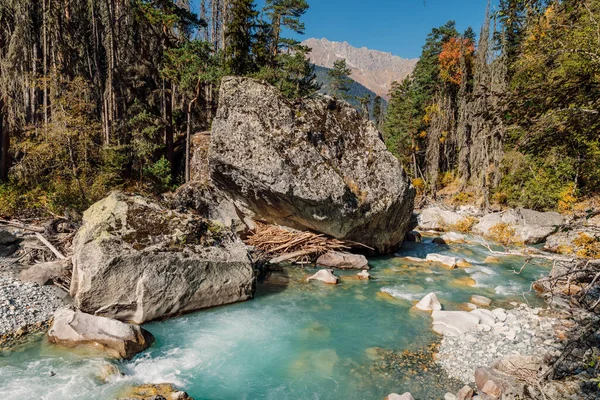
279 244
41 244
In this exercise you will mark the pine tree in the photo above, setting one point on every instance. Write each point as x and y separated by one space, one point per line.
238 37
340 79
378 111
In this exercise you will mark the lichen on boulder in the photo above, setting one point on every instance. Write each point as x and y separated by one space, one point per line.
135 260
315 165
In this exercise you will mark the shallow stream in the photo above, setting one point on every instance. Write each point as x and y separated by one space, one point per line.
295 340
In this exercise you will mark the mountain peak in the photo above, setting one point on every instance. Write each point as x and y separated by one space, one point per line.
374 69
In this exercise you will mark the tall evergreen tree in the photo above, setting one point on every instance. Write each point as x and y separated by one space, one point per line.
340 79
238 36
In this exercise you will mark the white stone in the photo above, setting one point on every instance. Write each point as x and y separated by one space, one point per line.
510 334
429 303
395 396
471 306
364 275
444 260
454 323
449 396
485 316
453 237
324 275
484 328
481 300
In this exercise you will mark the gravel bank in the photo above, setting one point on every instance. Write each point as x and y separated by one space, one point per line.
25 308
524 331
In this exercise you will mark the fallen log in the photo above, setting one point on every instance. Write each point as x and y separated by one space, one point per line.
50 246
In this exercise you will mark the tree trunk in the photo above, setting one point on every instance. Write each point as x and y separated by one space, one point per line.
168 115
4 145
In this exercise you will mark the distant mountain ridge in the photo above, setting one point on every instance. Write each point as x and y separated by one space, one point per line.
355 93
376 70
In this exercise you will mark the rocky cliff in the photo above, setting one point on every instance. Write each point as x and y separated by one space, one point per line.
316 165
376 70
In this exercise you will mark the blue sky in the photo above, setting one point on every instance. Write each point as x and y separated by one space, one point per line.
396 26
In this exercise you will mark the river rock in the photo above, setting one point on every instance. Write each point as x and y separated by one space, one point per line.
46 273
491 260
565 242
485 316
439 241
413 236
342 260
530 226
517 365
137 261
481 300
6 237
438 219
324 275
395 396
454 237
71 328
364 275
466 393
495 383
447 261
161 391
454 323
429 303
314 165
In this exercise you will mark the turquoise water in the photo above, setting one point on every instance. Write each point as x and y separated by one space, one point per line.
296 340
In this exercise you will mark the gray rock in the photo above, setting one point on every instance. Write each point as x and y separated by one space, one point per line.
137 261
530 226
46 273
438 219
466 393
413 236
564 242
207 201
7 250
342 260
481 300
495 383
118 339
518 365
6 237
318 165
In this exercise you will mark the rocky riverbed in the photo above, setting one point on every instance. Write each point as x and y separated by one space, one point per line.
26 308
523 330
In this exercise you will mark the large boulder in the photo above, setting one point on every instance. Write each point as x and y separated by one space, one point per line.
314 165
438 219
529 226
120 340
137 261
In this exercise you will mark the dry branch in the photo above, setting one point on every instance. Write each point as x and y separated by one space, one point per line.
280 244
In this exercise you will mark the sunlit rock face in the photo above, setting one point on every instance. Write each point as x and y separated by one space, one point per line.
137 261
314 165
